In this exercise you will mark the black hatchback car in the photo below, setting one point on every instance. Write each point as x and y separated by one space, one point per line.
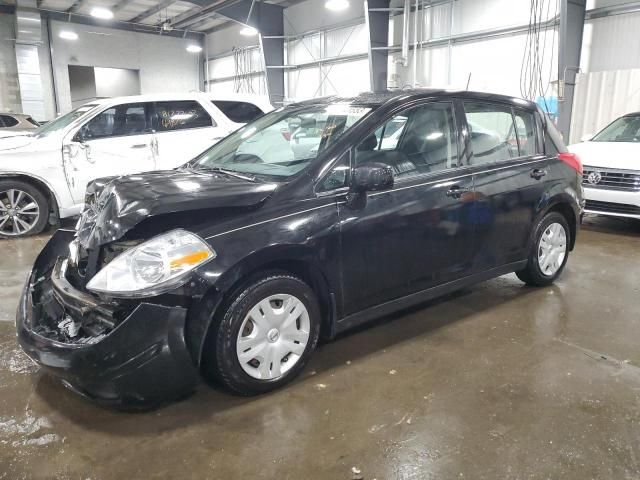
312 219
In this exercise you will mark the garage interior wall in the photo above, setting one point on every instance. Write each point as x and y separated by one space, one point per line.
609 63
9 88
10 98
326 52
163 62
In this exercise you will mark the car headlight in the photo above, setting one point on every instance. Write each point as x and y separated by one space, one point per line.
153 267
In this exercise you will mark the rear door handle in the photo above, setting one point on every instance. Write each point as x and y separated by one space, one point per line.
139 145
537 173
457 191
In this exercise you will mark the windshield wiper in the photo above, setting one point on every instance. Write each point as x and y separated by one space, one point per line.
231 173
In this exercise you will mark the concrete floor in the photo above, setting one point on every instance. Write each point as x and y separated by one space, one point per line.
497 381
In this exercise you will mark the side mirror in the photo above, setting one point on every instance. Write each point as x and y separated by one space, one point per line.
372 177
586 137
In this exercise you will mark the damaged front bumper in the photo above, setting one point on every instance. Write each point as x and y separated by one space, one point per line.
138 359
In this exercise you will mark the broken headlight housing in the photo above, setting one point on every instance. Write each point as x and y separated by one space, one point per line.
153 267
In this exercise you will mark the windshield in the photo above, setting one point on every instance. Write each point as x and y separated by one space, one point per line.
624 129
282 143
61 122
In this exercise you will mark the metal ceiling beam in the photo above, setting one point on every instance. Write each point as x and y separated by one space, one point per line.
118 25
76 6
191 16
284 5
203 21
120 5
268 19
152 11
572 16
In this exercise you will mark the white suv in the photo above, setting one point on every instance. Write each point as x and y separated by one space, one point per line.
46 172
611 162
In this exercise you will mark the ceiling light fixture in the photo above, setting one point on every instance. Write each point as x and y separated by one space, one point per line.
248 31
102 13
336 5
194 49
67 35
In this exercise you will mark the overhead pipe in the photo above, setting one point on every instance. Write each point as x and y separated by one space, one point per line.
415 42
405 32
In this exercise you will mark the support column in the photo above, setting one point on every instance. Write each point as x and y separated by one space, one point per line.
377 20
570 44
268 19
28 38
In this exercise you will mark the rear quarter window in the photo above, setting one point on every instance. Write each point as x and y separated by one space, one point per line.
8 121
238 112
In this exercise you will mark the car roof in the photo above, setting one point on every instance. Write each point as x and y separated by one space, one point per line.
258 100
17 115
632 114
380 98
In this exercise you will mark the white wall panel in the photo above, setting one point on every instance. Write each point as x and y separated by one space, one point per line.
312 15
433 22
474 15
346 79
304 50
494 65
611 43
224 40
346 41
9 88
303 83
601 97
222 67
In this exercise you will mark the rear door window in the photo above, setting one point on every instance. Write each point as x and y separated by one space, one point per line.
180 115
526 132
492 131
238 112
119 121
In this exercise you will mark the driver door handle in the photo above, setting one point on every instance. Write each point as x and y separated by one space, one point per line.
537 173
457 191
139 145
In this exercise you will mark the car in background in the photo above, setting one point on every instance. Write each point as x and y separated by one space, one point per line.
44 174
611 161
233 266
16 123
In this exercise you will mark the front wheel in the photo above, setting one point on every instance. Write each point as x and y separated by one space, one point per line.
549 252
24 210
265 336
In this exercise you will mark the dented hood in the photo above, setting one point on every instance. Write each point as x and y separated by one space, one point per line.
116 205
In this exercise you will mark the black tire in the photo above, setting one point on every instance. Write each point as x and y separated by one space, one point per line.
220 359
40 199
532 274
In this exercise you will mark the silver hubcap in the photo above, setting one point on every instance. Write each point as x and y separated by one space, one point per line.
273 336
552 249
19 212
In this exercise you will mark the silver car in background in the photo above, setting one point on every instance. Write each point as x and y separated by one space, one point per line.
12 123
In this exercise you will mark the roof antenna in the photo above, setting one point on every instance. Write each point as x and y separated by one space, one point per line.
468 81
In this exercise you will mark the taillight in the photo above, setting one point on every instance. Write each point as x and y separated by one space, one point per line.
572 160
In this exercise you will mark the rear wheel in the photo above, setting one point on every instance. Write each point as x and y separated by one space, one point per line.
549 252
265 336
24 209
